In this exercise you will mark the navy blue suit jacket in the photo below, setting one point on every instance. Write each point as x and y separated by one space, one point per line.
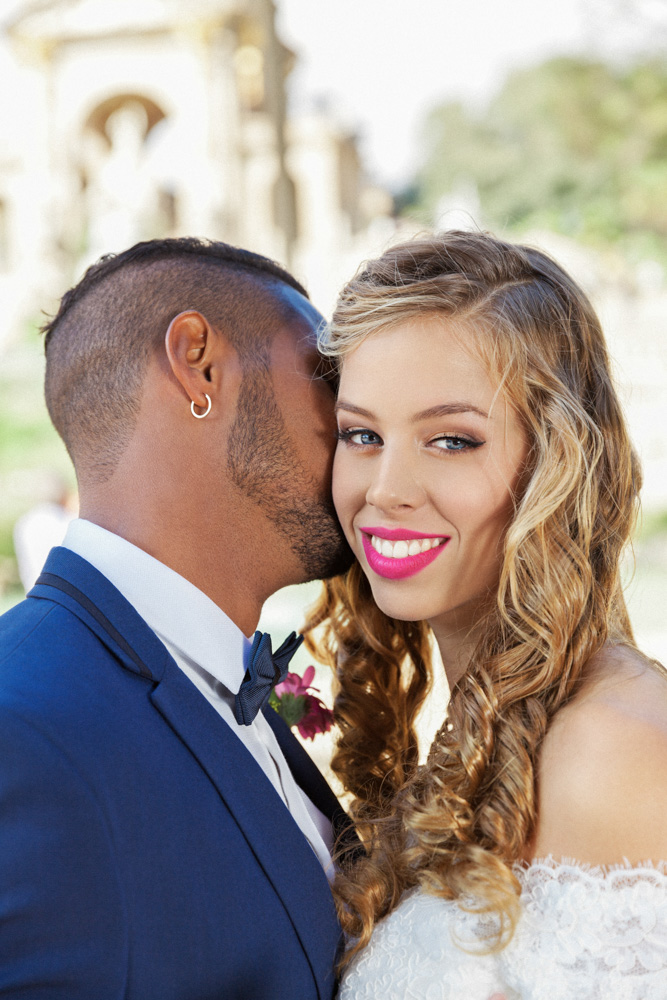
144 855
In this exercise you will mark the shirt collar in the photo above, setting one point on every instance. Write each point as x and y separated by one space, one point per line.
172 606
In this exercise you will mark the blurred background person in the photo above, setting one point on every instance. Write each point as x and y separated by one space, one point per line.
42 527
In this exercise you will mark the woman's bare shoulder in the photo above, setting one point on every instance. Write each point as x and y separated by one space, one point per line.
602 781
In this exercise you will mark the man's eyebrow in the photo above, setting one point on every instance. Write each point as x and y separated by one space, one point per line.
442 410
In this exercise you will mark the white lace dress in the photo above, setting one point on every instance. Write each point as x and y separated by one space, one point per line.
584 935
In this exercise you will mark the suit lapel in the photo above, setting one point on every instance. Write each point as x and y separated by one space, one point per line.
311 780
276 841
74 583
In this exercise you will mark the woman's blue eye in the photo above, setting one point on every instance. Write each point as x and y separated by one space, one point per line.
451 442
359 437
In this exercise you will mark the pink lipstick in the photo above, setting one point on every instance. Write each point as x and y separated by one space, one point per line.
405 559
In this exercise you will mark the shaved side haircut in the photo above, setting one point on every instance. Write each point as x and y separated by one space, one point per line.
108 326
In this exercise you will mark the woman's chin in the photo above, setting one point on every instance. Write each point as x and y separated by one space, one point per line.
458 608
402 607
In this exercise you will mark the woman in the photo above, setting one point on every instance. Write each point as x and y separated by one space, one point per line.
486 483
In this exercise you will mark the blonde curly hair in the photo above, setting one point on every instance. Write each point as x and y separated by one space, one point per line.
457 825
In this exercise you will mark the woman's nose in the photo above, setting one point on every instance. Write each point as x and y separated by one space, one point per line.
394 482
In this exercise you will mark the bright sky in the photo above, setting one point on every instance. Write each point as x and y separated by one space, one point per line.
384 63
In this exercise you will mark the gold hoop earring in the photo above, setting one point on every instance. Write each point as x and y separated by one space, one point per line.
200 416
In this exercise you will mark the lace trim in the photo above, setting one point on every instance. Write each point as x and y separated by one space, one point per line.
570 870
587 932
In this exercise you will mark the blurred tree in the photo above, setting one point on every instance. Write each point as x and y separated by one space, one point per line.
573 145
620 28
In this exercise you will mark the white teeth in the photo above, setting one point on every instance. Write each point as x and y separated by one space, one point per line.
403 548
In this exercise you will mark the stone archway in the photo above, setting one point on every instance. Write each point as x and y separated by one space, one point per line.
99 117
123 199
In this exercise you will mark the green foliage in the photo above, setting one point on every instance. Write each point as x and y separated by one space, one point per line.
290 707
652 526
30 449
571 145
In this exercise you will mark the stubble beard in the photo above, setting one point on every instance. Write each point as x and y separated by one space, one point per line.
264 466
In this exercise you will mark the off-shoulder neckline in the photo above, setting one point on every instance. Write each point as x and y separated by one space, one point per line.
551 866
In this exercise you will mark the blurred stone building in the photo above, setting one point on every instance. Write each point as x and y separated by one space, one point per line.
132 119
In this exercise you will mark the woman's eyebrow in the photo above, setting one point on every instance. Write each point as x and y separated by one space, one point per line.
351 408
444 409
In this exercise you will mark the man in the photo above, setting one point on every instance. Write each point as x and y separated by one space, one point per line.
162 834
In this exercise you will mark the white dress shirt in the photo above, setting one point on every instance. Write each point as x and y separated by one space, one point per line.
208 647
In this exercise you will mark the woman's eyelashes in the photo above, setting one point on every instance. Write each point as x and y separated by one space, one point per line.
359 437
456 442
362 437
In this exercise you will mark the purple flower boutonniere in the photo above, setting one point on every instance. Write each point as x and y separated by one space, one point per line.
295 701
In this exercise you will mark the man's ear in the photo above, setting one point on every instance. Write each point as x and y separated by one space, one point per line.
190 347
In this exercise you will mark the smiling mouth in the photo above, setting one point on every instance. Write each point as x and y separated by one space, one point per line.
405 546
396 554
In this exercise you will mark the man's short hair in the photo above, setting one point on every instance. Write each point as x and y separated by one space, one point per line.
99 343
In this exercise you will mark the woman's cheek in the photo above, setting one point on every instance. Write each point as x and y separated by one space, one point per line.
349 493
341 485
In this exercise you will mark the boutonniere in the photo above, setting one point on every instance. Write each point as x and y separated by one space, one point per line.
298 703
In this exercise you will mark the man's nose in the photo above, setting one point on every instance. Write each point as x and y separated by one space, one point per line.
395 482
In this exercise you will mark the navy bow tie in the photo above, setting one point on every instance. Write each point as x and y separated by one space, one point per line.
265 670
